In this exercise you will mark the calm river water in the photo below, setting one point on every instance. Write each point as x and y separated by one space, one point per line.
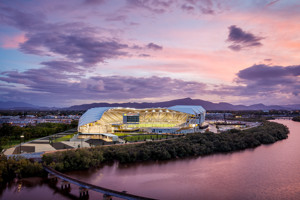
266 172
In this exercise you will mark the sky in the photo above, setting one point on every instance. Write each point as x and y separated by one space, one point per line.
63 53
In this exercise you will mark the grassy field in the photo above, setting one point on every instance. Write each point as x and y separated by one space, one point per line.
145 137
122 134
64 138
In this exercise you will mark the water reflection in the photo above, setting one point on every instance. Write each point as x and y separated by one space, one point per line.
266 172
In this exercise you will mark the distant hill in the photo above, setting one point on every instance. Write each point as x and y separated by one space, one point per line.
14 105
187 101
7 105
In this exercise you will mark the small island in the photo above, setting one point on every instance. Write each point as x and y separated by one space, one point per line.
296 119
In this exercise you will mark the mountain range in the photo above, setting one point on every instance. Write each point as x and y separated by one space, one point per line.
186 101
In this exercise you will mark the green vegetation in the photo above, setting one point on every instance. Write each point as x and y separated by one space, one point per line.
10 135
122 134
136 138
11 168
64 138
190 145
296 119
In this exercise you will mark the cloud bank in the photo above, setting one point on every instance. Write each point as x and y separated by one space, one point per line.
58 84
269 80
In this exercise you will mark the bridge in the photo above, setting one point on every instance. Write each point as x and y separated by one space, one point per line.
84 187
287 118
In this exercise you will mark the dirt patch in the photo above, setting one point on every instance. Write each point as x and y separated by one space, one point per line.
60 145
25 149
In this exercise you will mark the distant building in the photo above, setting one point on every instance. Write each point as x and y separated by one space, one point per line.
218 116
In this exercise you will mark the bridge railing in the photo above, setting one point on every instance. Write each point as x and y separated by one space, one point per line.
102 190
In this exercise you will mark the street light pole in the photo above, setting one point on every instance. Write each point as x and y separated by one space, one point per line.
22 136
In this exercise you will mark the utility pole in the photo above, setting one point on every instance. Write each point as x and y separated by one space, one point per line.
22 136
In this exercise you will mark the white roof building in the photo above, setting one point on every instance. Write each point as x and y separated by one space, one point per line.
117 119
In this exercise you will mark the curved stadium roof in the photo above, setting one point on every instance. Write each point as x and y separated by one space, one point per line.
92 115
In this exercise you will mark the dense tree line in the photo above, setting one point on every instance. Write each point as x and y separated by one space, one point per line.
296 119
17 167
9 132
190 145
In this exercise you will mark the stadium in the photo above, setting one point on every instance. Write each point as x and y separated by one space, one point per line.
103 122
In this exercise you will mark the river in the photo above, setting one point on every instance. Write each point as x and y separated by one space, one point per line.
266 172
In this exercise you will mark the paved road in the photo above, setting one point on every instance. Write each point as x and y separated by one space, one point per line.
40 144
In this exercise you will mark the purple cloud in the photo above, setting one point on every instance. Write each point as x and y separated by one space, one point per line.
63 66
86 49
117 18
75 41
187 7
154 46
144 55
206 7
156 6
242 39
264 84
268 80
59 84
93 2
21 20
268 59
162 6
257 72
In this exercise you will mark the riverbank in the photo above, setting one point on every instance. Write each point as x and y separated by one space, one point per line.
190 145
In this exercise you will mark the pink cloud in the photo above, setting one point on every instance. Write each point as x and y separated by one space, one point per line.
221 65
12 42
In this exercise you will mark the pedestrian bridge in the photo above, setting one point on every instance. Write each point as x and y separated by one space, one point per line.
86 186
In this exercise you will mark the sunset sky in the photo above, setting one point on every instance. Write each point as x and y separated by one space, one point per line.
62 53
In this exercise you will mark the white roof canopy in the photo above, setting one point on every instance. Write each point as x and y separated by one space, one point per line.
92 115
194 110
